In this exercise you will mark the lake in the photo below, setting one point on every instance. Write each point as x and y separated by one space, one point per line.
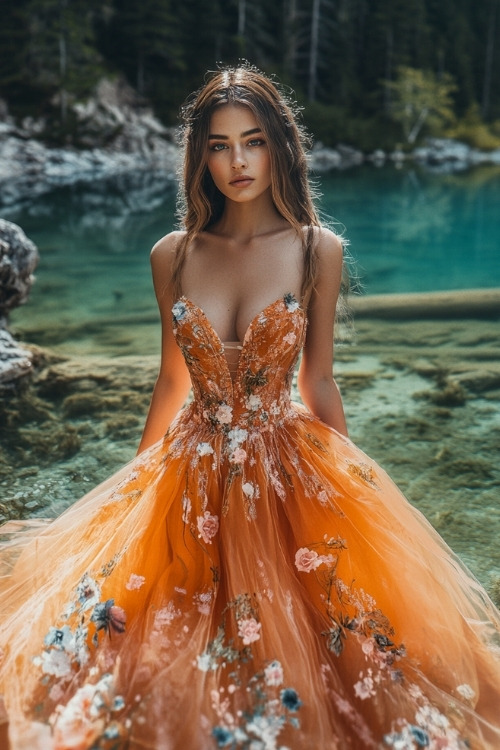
408 231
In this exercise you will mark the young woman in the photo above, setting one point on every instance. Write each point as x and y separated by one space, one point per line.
251 579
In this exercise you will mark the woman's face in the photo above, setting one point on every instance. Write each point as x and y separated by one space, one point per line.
238 154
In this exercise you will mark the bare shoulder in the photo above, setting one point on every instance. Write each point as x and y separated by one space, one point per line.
163 254
328 246
329 253
167 245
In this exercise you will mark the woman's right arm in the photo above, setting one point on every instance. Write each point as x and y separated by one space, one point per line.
173 382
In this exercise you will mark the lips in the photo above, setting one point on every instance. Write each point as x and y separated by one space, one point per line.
241 181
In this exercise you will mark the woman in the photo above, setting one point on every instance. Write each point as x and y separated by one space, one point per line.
251 579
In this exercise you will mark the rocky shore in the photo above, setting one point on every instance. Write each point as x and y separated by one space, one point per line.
119 139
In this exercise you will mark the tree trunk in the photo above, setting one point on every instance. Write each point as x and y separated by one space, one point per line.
140 73
63 60
388 69
412 135
290 37
313 52
488 63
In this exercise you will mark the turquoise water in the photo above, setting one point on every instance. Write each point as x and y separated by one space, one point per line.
412 231
408 231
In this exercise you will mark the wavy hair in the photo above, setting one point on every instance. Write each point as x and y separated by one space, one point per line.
200 203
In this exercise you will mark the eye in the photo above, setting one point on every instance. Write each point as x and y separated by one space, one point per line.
256 142
218 147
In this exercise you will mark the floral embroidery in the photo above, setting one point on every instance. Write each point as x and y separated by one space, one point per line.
291 303
273 674
249 630
135 582
253 402
290 699
179 311
466 692
203 601
238 456
249 489
224 414
88 717
365 687
208 526
186 508
260 726
107 616
166 615
235 438
204 449
307 560
363 471
88 592
430 728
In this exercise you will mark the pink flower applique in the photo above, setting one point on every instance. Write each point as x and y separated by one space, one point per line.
208 527
273 674
238 456
307 560
249 630
224 414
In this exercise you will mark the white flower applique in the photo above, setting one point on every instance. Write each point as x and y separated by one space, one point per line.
135 582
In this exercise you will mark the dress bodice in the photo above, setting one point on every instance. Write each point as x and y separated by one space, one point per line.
259 390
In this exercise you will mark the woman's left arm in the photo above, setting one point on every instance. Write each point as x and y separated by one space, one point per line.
317 386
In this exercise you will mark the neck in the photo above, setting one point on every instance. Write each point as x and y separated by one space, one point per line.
244 221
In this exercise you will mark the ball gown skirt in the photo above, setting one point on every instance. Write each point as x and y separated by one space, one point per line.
252 580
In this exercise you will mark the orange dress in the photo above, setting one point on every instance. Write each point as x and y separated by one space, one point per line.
252 581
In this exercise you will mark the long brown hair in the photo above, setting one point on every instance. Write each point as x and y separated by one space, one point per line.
200 203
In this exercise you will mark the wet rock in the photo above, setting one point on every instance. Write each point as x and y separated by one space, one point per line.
447 155
15 362
350 157
324 159
18 260
377 157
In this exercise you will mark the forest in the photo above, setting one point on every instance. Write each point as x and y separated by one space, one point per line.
361 69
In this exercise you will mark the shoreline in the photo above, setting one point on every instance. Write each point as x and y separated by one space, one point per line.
439 305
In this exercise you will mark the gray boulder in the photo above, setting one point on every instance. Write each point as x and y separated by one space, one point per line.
18 260
15 361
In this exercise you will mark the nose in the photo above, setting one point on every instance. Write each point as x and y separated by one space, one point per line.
238 160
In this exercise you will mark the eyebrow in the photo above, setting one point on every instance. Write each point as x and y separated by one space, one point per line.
243 135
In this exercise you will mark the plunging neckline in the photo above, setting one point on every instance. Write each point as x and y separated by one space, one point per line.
249 329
